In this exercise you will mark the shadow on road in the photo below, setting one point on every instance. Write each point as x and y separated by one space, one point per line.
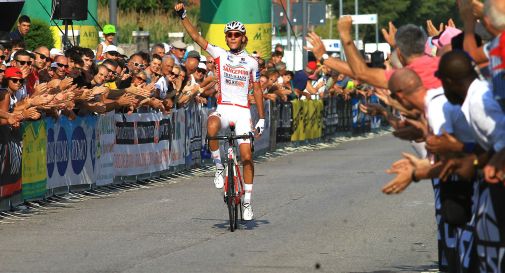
245 225
406 268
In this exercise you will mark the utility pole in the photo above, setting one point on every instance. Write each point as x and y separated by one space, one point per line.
288 18
113 17
304 32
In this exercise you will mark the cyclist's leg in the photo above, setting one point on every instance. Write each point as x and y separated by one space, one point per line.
244 126
213 127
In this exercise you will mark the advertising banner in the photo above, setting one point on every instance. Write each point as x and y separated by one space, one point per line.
10 161
255 15
178 147
139 148
105 139
262 143
71 151
193 145
34 169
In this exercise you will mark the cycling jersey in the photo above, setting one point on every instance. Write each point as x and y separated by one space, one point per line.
235 73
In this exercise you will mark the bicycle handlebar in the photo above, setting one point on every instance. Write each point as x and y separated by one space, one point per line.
229 137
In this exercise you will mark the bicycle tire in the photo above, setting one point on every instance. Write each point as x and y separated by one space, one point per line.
231 196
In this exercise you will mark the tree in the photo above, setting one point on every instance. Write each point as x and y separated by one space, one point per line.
40 35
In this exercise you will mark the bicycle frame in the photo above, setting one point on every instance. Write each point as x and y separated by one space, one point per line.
233 192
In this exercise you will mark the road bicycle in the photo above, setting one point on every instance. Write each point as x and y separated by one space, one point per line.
233 183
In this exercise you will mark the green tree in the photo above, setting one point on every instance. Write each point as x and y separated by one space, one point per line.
40 35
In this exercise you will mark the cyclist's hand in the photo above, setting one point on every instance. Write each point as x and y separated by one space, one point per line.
260 126
180 10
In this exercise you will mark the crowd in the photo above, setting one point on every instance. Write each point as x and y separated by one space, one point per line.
444 91
448 95
43 82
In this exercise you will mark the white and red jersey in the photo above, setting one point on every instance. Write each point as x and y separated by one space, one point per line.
235 73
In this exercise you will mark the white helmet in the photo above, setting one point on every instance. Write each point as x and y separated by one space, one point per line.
234 25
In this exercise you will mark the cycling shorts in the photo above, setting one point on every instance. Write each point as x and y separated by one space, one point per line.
239 115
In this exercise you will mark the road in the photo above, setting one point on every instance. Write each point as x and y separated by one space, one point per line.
316 211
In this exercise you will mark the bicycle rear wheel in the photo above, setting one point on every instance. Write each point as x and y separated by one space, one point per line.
230 191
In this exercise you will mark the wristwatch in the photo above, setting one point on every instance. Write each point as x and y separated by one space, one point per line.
323 58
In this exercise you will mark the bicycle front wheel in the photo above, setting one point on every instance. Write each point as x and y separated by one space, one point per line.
230 191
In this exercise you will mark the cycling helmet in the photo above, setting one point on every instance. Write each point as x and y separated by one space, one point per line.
234 25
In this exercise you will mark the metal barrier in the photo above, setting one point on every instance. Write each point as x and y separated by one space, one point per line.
61 156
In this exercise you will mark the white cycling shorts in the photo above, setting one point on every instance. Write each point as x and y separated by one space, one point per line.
241 116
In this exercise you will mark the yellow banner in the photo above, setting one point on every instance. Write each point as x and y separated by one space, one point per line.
260 37
88 36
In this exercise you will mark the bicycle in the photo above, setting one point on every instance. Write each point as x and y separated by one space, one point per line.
233 192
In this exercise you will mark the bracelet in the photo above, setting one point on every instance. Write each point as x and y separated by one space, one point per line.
413 176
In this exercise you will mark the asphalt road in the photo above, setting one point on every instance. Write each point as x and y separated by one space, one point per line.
316 211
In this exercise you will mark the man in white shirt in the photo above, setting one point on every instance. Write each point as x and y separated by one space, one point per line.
487 121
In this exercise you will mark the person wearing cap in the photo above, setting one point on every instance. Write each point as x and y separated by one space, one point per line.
200 72
177 51
12 82
302 81
111 52
109 32
238 73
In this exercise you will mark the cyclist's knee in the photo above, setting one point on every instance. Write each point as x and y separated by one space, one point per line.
213 126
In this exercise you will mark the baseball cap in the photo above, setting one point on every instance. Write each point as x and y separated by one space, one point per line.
193 54
121 52
203 59
109 29
179 44
55 52
110 48
202 66
312 65
13 73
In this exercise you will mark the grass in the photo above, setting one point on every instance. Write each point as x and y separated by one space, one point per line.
159 23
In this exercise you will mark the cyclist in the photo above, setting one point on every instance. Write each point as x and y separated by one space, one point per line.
235 70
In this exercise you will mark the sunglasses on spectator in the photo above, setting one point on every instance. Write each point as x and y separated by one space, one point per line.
114 73
233 34
2 57
2 70
62 65
140 78
42 56
113 53
24 62
139 65
210 62
180 49
21 81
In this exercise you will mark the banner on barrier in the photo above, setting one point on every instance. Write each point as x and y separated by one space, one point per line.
105 138
139 148
71 150
263 142
177 150
193 138
10 161
34 171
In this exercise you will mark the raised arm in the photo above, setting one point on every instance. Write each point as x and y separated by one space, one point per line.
333 63
192 31
373 76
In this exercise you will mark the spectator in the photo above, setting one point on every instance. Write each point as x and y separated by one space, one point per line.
158 49
110 52
109 32
101 75
24 24
23 61
162 85
177 51
60 67
211 66
301 83
275 58
12 82
153 71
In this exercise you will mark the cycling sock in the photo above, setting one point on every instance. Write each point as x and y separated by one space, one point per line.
248 193
216 156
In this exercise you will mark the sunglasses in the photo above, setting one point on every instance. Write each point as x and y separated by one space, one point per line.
181 49
21 81
141 79
24 62
234 34
42 56
2 57
210 62
139 65
62 65
2 70
113 53
114 73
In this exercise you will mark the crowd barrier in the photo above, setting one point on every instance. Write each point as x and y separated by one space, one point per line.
48 156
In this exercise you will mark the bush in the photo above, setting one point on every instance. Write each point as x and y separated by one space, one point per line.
40 35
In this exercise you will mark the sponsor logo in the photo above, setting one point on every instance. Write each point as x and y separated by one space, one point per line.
61 152
79 151
50 152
